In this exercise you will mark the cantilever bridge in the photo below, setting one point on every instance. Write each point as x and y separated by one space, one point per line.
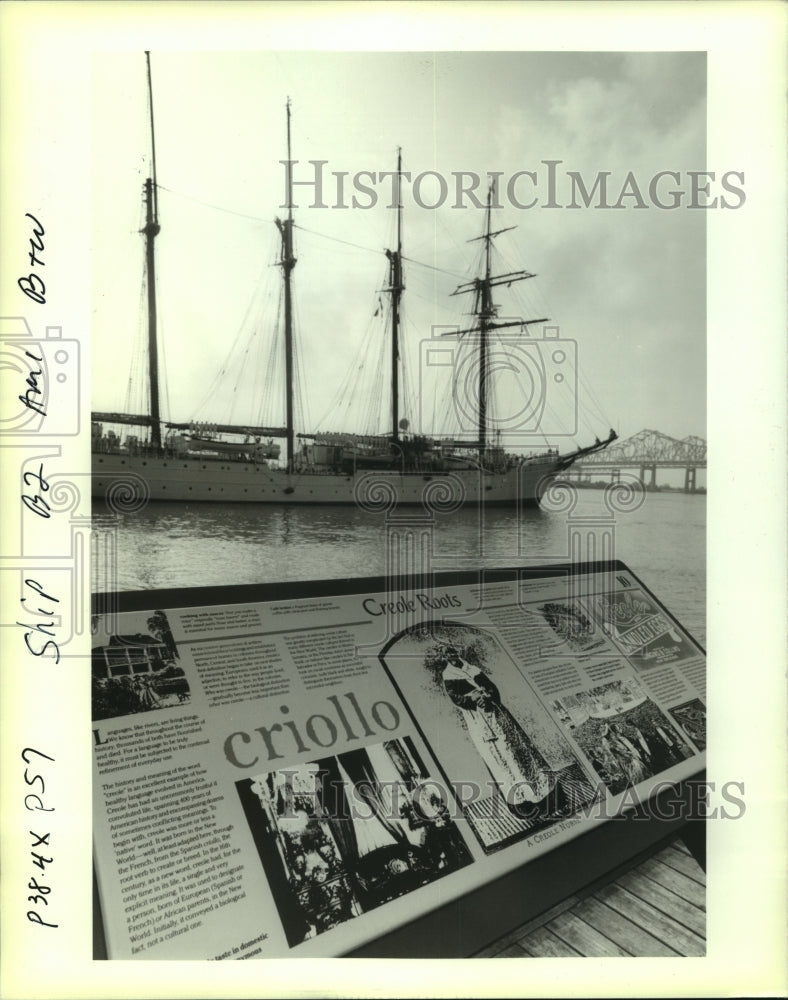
647 451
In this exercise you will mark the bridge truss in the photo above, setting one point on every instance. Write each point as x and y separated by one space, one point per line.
649 450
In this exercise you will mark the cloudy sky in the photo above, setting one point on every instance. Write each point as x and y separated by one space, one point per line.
626 285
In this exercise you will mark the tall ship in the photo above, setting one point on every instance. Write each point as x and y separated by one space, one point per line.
253 463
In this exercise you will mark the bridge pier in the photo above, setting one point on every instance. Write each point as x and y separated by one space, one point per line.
644 453
653 479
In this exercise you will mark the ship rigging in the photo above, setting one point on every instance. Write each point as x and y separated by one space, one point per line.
197 462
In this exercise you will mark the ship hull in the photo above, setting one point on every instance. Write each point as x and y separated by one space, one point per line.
187 480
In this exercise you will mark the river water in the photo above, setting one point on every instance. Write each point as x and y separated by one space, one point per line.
660 536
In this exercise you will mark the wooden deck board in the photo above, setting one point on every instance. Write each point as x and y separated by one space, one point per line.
684 887
673 906
542 943
584 937
685 864
630 936
674 934
494 949
656 908
510 951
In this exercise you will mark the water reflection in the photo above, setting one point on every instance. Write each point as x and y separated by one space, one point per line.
181 545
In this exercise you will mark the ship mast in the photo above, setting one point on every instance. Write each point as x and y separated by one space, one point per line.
396 288
151 231
486 312
288 261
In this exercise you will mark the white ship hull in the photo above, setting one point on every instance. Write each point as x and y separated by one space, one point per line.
184 480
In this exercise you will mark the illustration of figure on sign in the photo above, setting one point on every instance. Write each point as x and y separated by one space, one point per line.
510 755
487 730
